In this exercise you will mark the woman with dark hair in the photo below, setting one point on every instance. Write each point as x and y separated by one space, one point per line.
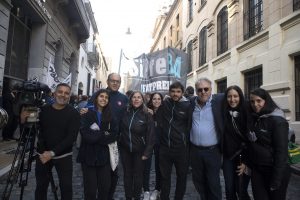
98 129
268 148
235 139
154 103
136 143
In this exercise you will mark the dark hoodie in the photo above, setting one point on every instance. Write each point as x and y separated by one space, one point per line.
269 144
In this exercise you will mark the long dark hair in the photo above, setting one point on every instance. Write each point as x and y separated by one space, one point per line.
270 104
240 93
106 112
150 104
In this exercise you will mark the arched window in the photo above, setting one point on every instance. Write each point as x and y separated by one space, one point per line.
222 28
253 17
202 45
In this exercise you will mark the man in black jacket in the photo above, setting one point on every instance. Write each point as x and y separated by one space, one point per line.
59 125
173 120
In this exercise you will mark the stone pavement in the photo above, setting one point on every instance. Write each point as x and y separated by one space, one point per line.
191 194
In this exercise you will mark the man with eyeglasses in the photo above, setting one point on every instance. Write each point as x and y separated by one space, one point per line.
206 139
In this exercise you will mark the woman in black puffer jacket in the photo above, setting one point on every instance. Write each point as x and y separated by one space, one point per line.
136 141
98 129
268 148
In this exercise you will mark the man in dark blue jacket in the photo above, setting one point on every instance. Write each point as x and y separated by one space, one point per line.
173 120
206 140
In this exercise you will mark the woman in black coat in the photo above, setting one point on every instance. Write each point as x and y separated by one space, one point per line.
136 142
268 148
98 129
234 147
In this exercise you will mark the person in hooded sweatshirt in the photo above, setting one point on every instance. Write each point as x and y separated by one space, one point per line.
268 148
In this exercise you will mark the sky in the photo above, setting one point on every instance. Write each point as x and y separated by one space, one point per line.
114 17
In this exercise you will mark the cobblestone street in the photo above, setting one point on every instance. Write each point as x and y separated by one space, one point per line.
191 194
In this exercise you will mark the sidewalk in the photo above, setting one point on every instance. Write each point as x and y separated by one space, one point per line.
6 155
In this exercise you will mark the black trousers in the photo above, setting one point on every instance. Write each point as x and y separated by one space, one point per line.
96 181
167 158
261 179
236 187
133 167
114 182
147 169
64 169
206 165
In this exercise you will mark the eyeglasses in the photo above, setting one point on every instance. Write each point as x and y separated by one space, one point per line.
115 81
200 90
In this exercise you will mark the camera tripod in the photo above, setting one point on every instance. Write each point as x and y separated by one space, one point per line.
23 158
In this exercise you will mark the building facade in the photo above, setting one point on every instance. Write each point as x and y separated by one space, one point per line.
37 33
92 63
250 43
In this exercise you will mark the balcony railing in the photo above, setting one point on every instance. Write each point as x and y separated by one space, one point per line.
253 19
93 54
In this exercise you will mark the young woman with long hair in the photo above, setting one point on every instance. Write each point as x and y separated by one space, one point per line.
154 103
98 129
268 148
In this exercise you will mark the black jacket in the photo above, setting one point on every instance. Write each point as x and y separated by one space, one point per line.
137 131
270 149
173 119
93 149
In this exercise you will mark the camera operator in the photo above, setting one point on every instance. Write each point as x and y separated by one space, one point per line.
59 125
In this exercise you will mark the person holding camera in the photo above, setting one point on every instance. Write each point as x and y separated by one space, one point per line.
59 125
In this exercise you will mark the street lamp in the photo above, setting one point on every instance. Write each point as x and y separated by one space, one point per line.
121 52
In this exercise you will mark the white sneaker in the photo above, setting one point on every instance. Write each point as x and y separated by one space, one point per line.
146 195
154 195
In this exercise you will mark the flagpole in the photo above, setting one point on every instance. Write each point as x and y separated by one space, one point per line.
120 61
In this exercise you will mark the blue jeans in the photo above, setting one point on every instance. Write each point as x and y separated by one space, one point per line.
235 186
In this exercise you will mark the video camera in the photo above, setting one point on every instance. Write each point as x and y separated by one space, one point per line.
30 96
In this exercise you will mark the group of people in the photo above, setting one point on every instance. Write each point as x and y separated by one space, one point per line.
208 132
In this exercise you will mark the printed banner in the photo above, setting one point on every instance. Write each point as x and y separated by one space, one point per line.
52 77
155 72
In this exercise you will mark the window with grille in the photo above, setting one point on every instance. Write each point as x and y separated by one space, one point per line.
222 34
190 56
16 62
202 46
297 87
253 18
253 80
190 10
221 86
296 5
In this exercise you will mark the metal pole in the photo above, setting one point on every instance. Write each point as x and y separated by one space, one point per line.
120 61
